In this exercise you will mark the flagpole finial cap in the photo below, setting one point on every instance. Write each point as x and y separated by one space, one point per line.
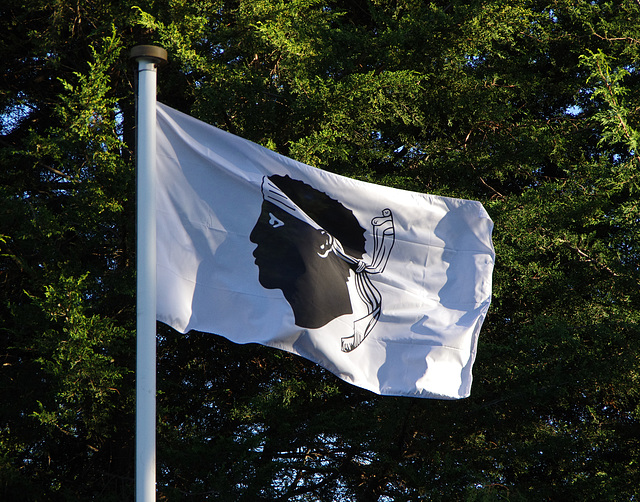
156 54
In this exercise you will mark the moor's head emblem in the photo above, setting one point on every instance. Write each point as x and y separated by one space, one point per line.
309 245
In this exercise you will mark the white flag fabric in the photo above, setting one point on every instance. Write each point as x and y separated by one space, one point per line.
385 288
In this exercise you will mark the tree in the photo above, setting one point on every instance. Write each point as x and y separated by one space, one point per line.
531 107
66 205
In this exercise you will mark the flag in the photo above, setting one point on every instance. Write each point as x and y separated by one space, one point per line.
385 288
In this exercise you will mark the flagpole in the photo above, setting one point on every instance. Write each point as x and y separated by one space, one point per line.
147 57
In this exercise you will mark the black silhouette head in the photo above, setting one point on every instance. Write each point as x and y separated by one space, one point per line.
294 252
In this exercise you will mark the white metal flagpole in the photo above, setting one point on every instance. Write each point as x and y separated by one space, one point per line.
148 57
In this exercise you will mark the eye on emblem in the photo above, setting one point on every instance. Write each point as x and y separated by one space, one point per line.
275 222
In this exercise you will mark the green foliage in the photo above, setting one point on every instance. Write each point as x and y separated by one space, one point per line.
66 338
531 107
76 358
619 121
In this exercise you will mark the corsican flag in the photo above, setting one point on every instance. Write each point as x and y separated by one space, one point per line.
385 288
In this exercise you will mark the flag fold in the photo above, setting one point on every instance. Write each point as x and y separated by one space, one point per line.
385 288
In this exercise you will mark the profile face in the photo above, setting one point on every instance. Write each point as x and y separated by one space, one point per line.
297 258
282 243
